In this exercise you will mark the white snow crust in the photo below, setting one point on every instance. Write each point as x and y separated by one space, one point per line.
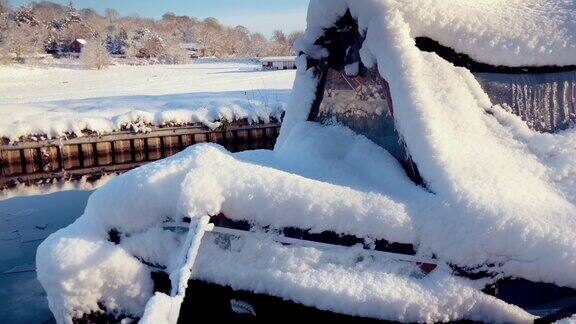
49 186
496 192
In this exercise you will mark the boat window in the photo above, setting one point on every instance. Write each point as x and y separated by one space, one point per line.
543 96
361 103
545 101
352 95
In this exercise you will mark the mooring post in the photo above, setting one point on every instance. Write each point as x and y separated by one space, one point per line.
81 155
22 161
132 151
95 154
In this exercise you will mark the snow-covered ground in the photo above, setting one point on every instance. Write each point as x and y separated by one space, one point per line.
54 101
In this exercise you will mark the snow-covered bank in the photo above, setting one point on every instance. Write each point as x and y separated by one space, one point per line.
57 101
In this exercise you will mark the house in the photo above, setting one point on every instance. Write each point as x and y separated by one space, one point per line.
195 50
77 45
278 63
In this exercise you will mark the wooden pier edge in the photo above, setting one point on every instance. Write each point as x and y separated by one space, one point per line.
121 151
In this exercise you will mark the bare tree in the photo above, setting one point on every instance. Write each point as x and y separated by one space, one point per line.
5 11
237 41
112 15
95 56
280 43
20 43
259 45
72 15
294 36
51 14
209 34
177 55
5 6
53 27
26 16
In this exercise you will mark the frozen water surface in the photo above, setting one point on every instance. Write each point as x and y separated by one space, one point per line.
24 223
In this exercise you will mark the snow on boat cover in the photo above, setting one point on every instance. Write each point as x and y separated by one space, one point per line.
496 195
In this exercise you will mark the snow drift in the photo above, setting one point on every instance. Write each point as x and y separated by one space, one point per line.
497 194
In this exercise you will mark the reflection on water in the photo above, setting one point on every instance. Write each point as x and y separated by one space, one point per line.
24 223
48 186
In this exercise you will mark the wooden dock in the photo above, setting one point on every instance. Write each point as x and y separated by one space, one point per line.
27 162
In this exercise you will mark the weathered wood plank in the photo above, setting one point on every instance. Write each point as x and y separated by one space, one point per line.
121 151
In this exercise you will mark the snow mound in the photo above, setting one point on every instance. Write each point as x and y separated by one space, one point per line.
338 281
257 186
49 186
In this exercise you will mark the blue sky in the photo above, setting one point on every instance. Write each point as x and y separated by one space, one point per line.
258 15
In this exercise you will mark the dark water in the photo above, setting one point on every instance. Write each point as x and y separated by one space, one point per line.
24 223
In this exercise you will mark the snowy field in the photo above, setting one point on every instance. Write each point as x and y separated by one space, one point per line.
56 101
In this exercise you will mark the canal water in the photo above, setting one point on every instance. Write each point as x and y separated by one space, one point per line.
24 223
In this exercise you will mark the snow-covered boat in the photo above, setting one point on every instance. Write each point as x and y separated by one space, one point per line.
425 172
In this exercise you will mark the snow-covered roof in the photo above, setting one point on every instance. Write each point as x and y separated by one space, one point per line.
192 46
497 32
81 41
278 59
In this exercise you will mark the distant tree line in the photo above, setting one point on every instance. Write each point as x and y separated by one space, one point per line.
50 28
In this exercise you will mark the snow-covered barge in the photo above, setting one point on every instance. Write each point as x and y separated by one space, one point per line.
383 140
